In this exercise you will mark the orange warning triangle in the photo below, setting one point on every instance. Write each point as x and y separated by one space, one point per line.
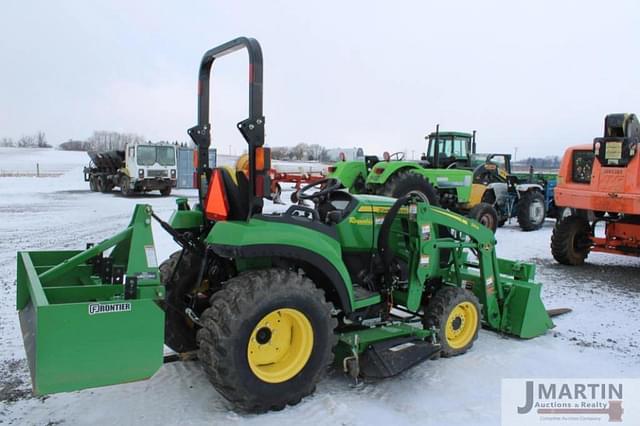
216 205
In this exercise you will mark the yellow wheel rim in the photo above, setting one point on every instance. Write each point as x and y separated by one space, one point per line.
280 345
462 324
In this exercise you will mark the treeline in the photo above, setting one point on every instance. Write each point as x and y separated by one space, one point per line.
301 151
102 141
37 140
548 162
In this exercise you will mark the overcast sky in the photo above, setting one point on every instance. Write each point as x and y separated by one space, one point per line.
536 75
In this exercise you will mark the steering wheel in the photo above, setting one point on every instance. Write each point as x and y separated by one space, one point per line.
399 156
453 165
331 185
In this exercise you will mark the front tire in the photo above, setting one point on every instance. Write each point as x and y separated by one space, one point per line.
455 314
570 240
125 187
166 191
267 339
404 182
486 215
531 211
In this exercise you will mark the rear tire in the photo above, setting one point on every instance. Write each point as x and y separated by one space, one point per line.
404 182
125 189
240 332
564 212
92 184
104 185
100 183
455 314
179 332
486 214
166 191
531 211
570 240
275 196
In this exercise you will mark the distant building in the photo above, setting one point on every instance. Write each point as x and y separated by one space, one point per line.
349 154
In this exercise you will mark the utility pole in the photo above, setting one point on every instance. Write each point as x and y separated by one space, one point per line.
515 154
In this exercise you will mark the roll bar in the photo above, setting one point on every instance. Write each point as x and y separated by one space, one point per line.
252 128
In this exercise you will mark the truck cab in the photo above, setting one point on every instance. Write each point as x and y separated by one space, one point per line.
140 167
149 167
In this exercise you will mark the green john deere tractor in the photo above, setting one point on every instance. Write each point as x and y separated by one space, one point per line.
444 173
269 301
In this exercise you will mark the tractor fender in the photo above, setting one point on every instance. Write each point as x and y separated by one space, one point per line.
307 243
384 170
347 172
524 187
500 189
317 267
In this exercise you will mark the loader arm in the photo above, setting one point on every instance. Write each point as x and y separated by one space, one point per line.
441 245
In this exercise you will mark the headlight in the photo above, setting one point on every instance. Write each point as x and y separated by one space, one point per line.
141 173
173 173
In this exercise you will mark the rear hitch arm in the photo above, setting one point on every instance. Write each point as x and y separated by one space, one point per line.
188 243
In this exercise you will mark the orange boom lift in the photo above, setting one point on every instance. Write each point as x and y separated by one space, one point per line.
600 183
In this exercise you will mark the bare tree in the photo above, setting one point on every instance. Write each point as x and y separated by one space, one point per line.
299 151
279 153
316 151
41 140
111 141
27 141
7 142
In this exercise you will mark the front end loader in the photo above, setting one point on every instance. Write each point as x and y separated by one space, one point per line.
373 284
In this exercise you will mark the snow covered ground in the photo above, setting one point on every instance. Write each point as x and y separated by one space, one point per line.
598 339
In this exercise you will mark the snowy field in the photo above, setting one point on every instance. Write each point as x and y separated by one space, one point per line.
598 339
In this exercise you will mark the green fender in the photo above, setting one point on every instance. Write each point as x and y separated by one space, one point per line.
382 171
259 238
459 180
442 179
348 171
184 218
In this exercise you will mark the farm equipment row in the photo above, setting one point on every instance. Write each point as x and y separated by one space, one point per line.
456 177
371 283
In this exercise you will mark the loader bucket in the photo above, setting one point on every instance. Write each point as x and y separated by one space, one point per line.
89 318
511 300
523 313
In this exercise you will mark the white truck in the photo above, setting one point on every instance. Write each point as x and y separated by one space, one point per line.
141 167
